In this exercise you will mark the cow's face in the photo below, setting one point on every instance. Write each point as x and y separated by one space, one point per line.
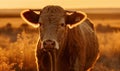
52 27
54 22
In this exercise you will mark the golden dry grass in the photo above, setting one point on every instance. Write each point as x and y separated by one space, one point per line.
110 52
19 55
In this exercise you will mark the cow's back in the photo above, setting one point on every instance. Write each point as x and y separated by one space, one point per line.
92 47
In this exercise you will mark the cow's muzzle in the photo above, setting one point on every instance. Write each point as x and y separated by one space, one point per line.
49 44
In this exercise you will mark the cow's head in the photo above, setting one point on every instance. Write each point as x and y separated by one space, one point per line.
54 22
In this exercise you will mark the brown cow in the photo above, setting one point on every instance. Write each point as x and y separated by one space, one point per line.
67 39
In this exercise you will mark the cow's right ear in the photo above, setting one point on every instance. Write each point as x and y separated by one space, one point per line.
74 18
30 17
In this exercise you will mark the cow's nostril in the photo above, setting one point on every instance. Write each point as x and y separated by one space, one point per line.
53 43
49 44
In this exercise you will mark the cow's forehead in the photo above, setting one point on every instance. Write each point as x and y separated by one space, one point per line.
53 9
52 13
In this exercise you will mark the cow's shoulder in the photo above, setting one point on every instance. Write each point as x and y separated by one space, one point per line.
89 23
87 26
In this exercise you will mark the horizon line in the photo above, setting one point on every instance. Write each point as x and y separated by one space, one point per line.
16 12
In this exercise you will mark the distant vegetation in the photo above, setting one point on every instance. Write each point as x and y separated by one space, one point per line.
12 32
106 29
17 48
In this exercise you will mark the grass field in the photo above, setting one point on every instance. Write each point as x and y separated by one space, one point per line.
17 47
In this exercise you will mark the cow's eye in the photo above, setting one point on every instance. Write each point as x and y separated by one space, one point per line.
62 25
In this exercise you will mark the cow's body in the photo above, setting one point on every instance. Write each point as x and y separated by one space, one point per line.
81 49
65 48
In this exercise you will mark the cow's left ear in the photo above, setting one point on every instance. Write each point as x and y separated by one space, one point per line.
74 19
30 17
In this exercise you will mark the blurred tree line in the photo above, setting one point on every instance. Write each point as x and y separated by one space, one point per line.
12 32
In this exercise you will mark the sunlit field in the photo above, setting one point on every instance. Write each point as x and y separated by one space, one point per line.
17 45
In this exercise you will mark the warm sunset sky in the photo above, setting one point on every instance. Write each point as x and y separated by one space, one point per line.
8 4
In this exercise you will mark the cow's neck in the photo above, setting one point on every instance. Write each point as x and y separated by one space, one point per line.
75 39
